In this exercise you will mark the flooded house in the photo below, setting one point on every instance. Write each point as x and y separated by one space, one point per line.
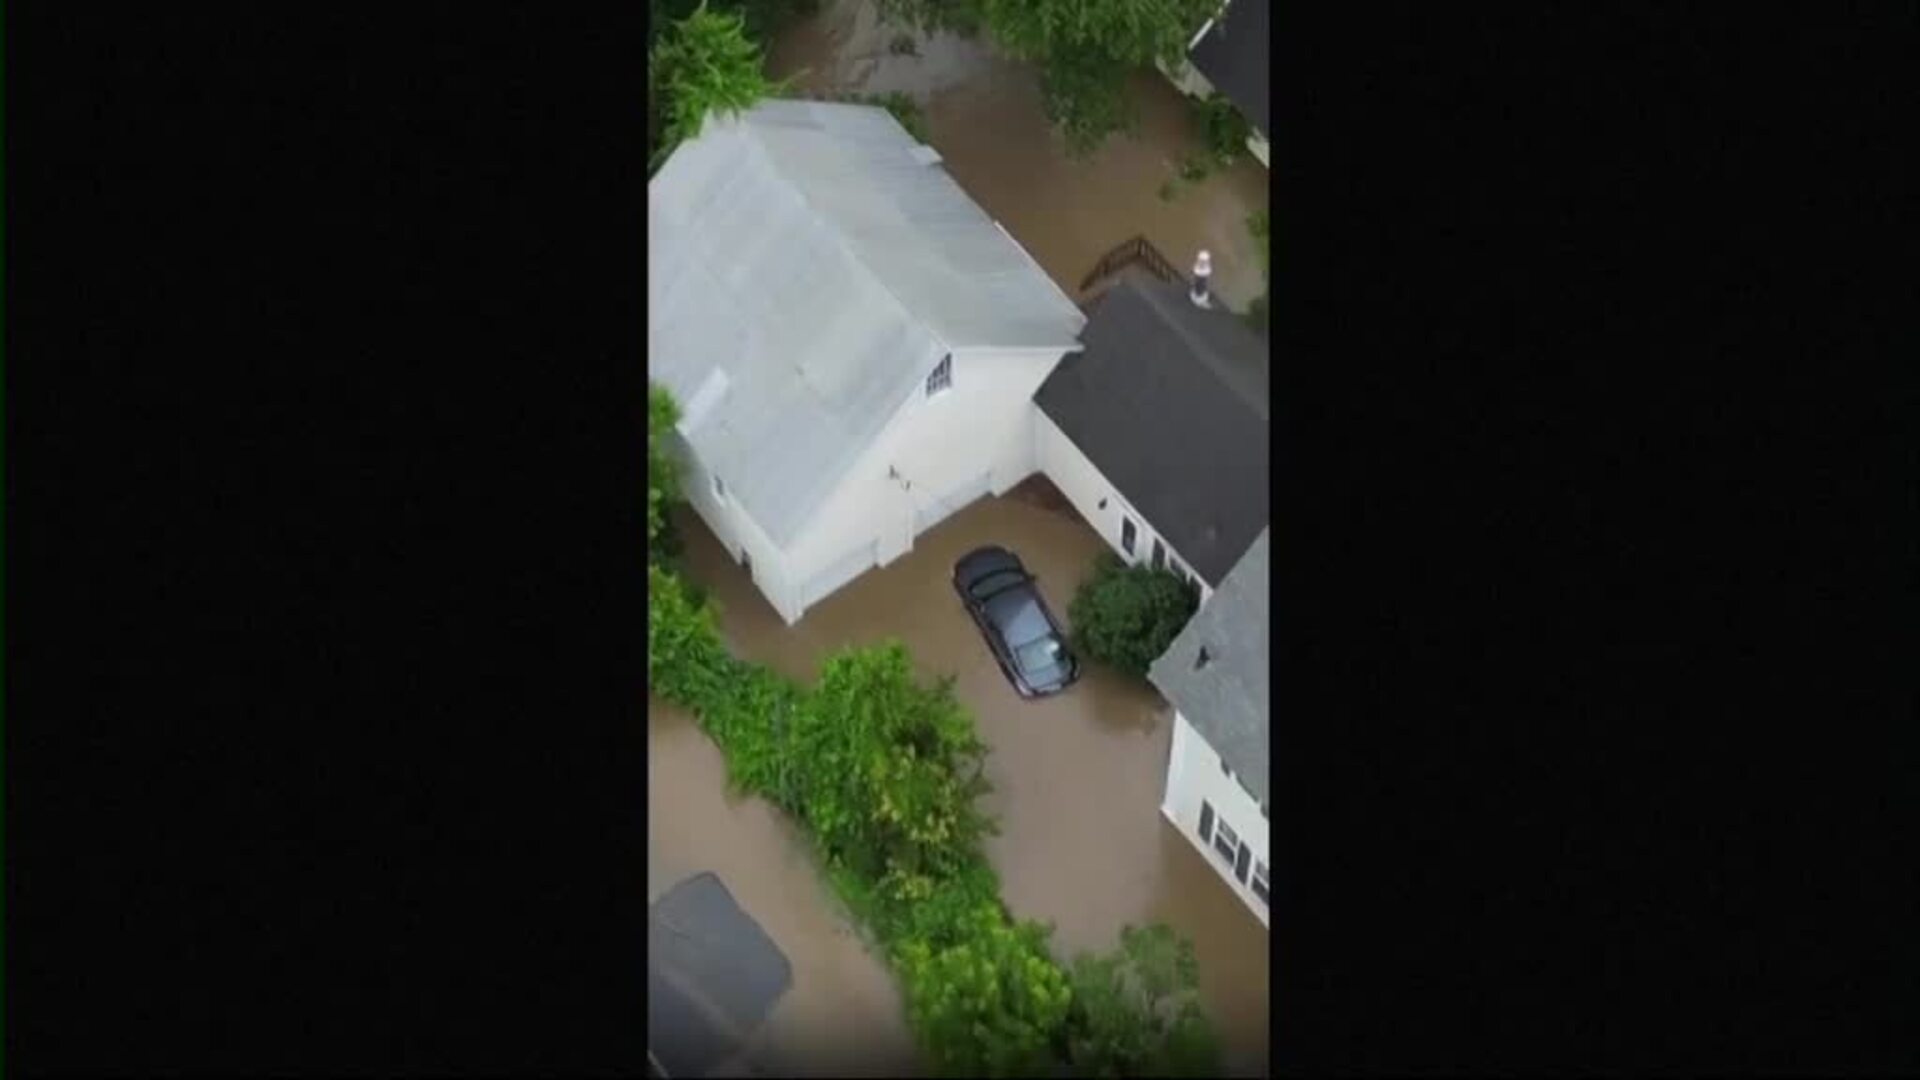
1216 676
1156 432
854 342
1230 55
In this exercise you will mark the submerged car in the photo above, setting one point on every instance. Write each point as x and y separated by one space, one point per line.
1006 605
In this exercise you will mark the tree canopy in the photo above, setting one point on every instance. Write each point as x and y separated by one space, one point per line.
704 63
1085 49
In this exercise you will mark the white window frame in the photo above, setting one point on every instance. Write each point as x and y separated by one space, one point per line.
943 374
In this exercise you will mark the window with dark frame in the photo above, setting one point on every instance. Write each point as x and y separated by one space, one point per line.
942 377
1240 863
1206 822
1226 841
1127 534
1260 885
1159 554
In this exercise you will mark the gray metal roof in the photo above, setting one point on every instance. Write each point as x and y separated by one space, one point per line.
713 976
1225 698
1170 403
807 252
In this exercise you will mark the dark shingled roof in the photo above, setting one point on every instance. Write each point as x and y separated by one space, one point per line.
1225 697
1169 402
1234 57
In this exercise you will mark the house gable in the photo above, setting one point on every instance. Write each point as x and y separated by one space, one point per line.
1216 671
808 252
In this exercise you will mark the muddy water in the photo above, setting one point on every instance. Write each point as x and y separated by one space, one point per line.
984 116
1077 778
694 826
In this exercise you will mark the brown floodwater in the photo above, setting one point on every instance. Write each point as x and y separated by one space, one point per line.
1077 778
838 985
984 116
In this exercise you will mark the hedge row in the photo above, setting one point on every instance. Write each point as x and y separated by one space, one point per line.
884 773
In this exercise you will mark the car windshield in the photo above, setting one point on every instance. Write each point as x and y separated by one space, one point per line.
1042 658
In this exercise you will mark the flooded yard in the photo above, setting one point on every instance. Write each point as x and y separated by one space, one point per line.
984 116
1077 778
694 826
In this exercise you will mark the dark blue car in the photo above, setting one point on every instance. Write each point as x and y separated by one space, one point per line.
1004 602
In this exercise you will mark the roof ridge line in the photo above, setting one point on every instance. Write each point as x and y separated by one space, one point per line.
839 237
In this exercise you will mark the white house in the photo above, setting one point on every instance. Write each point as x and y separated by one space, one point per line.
854 343
1215 675
1157 431
1230 54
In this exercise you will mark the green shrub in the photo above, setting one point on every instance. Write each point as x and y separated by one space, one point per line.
704 63
1223 130
663 473
991 1005
686 661
892 771
1136 1010
1126 616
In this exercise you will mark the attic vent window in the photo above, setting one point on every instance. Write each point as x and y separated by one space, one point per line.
1202 660
942 378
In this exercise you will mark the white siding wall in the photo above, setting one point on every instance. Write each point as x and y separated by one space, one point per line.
1194 775
1084 486
736 531
980 425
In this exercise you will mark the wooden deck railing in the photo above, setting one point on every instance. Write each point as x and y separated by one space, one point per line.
1135 251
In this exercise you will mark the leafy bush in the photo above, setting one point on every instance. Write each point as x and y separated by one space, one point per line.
892 772
704 63
991 1005
1136 1010
1223 129
1126 616
686 661
663 472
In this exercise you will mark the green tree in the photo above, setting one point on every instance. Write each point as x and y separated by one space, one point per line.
892 769
1136 1010
663 469
1085 49
1126 616
990 1005
704 63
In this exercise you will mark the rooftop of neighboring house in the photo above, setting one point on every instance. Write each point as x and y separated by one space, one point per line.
1170 402
1216 674
1234 56
713 976
809 265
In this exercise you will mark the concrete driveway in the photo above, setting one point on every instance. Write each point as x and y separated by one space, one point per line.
1077 778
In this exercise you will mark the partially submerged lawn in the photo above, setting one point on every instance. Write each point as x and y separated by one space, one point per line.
884 773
